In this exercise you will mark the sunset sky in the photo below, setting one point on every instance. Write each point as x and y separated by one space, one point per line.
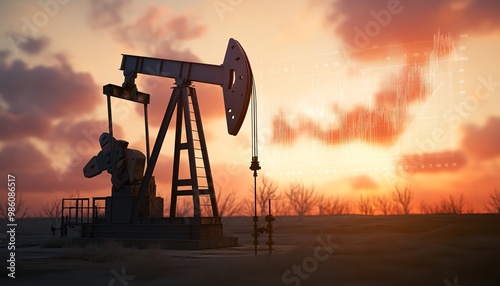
355 97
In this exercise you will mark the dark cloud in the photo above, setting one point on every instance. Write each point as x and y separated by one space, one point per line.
38 173
82 136
17 127
363 182
46 102
446 161
34 46
105 14
34 97
160 31
363 24
483 142
53 92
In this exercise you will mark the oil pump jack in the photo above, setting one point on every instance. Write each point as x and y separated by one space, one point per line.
133 213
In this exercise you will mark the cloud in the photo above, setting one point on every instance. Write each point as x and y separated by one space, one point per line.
446 161
81 137
46 102
381 124
483 142
365 24
105 14
17 127
52 92
35 174
363 182
33 97
160 31
34 46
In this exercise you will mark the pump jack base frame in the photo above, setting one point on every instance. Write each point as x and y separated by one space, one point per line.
188 233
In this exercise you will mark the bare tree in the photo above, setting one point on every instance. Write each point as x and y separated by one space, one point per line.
184 208
493 204
453 205
469 208
21 210
227 203
383 204
332 206
365 205
247 207
302 200
340 206
280 206
402 199
324 205
426 208
51 210
265 191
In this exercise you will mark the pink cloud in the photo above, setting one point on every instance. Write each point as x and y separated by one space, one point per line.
483 142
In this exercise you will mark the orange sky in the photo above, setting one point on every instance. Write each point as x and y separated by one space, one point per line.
350 92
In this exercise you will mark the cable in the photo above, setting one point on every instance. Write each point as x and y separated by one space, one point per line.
255 143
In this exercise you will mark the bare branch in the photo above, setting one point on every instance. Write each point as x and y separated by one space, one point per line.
493 204
365 205
302 200
383 204
452 205
51 209
402 199
265 191
226 203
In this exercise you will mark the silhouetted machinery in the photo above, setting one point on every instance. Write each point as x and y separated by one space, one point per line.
134 213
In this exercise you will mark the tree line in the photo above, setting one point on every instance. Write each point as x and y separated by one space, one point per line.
301 200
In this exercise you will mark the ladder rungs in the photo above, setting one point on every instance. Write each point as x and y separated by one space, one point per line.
190 192
185 193
184 182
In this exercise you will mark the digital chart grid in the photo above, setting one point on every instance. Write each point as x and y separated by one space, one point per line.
351 113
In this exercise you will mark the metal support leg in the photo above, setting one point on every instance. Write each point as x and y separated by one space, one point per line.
156 151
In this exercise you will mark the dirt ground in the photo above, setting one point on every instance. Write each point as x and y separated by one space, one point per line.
422 250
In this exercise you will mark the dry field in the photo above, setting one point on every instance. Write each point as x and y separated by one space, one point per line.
319 250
